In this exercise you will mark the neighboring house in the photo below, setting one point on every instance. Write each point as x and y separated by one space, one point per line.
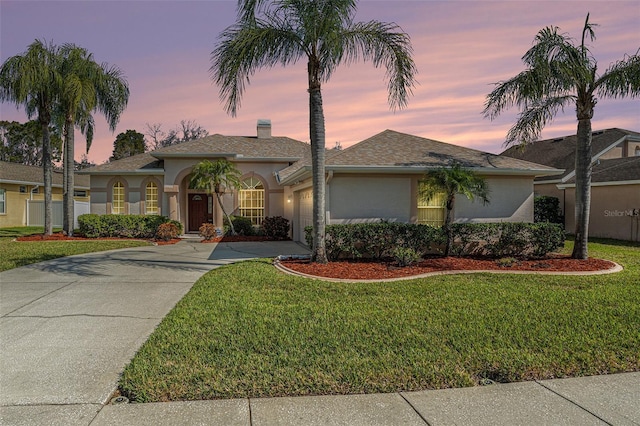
22 195
376 179
615 180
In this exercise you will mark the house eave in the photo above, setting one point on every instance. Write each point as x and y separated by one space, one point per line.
608 183
163 155
124 172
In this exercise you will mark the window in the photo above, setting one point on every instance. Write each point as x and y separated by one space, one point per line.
252 200
3 202
117 201
151 199
23 189
637 151
431 212
79 193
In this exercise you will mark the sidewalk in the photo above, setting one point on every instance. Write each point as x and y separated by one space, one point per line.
69 326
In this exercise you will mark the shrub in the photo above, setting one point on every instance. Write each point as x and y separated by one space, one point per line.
124 226
242 225
276 227
496 240
167 231
207 231
547 209
405 256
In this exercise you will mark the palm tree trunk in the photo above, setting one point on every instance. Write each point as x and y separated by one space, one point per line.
224 212
67 202
317 136
47 168
447 227
583 189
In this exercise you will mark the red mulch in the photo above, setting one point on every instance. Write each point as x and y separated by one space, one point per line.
59 236
370 270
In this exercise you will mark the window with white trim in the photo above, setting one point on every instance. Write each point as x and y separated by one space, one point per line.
251 197
117 199
431 212
151 198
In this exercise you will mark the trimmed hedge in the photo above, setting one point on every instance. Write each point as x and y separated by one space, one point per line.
276 227
379 240
122 226
547 209
242 225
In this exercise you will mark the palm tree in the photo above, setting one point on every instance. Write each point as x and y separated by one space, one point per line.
32 80
560 73
452 181
86 86
215 177
322 32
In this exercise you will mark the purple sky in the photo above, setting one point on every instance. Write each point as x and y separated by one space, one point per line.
460 48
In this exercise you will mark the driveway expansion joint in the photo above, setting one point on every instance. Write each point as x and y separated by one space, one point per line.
573 402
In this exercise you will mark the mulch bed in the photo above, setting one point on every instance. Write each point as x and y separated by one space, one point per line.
371 270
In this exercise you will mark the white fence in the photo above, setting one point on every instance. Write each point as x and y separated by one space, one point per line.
35 212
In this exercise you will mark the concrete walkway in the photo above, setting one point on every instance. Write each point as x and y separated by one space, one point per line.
69 326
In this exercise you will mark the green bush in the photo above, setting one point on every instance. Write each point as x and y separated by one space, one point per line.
496 240
405 256
242 225
276 228
123 226
547 209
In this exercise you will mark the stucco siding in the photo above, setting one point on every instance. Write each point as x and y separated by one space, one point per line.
612 212
368 198
510 200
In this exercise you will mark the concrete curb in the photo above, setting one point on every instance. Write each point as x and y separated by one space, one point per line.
282 268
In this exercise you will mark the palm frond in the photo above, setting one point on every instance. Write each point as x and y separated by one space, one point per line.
535 117
621 79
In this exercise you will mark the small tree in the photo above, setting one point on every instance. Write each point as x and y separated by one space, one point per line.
214 177
127 144
453 180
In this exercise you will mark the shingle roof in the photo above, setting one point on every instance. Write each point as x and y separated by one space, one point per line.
614 170
238 147
140 162
560 152
391 149
32 175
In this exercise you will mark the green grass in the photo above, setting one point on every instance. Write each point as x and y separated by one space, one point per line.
15 254
246 330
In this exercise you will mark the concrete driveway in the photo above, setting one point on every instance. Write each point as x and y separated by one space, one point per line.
69 326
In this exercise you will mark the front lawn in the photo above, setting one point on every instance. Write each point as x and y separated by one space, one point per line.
246 330
16 254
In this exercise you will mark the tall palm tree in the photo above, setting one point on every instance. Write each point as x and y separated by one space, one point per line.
86 86
560 73
31 80
323 33
215 177
452 181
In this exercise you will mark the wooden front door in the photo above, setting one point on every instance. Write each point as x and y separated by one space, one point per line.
198 211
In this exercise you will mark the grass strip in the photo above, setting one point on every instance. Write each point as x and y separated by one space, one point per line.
246 330
15 254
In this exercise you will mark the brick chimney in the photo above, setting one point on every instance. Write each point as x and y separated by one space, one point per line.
264 129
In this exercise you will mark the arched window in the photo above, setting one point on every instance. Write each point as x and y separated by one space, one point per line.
252 200
117 198
151 199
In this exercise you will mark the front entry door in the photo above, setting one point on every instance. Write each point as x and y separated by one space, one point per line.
198 211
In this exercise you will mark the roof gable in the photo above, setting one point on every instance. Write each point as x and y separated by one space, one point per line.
560 152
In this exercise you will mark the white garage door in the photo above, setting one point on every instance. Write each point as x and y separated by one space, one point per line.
305 212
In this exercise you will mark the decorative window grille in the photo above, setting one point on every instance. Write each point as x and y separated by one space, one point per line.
252 200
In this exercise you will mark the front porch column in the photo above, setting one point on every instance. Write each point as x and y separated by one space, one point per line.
171 192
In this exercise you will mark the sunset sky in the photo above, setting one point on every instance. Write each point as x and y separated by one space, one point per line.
460 48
